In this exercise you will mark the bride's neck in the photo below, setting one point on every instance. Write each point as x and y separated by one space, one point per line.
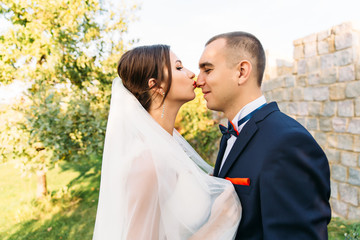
165 116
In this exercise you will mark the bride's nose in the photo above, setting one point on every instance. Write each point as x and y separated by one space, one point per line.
191 74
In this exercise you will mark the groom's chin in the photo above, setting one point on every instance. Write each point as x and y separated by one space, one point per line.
211 106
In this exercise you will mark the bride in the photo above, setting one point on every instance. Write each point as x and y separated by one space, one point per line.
153 184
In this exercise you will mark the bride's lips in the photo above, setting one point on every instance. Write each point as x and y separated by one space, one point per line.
194 84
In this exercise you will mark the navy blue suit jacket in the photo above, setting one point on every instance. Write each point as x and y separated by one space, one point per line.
288 196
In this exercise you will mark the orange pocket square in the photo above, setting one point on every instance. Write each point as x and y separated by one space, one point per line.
239 181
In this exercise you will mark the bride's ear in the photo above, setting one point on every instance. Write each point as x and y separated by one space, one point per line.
158 89
151 82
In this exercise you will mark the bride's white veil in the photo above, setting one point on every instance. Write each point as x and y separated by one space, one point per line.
150 187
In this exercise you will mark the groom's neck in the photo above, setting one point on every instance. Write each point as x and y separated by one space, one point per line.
237 104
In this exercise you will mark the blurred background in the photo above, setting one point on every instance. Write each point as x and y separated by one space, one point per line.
57 63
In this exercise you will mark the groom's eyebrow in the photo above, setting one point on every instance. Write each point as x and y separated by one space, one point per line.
205 64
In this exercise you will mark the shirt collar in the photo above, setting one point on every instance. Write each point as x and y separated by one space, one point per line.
248 108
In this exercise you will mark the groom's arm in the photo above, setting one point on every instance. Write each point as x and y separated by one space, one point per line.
295 189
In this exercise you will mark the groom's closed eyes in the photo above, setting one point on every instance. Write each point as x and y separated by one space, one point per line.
206 66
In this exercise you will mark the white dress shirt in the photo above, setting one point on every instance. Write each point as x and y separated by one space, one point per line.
248 108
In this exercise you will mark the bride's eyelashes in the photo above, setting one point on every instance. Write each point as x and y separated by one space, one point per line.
179 68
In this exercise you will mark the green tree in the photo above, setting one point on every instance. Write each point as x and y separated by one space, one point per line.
67 51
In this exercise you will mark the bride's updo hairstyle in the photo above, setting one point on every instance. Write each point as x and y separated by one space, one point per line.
137 66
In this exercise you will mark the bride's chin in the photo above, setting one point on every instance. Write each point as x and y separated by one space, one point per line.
192 98
188 98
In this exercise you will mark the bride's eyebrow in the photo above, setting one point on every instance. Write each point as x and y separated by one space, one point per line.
179 61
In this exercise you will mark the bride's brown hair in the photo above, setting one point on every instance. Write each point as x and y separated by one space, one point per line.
139 65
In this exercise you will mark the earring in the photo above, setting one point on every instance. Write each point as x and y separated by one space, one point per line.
163 110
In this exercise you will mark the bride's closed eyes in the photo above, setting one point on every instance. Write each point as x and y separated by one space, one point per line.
178 65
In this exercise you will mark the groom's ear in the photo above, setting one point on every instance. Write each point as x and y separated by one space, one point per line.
244 70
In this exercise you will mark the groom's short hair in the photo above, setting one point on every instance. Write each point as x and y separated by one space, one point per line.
242 45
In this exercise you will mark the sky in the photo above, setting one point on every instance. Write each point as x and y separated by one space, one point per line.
186 25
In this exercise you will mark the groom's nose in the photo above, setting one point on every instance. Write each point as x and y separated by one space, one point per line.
200 80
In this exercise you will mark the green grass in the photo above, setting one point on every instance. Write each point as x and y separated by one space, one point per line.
69 210
339 227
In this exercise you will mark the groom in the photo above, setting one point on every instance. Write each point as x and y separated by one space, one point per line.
278 170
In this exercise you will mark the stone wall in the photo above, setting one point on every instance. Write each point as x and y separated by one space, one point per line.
322 91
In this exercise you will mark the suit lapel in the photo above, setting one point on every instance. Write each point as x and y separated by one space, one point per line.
245 136
223 143
242 140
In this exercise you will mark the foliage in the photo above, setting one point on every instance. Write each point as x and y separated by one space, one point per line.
11 135
354 233
67 51
59 125
59 41
344 229
197 125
